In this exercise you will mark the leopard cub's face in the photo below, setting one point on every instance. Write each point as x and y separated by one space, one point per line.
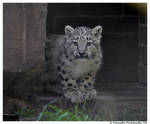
83 42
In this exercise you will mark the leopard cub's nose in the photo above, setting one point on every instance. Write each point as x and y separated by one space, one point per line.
82 54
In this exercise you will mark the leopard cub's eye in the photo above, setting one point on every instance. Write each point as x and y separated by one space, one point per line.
89 43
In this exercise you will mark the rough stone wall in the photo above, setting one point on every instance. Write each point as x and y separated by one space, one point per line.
24 35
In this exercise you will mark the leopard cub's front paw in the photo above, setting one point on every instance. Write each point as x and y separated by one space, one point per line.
74 96
90 94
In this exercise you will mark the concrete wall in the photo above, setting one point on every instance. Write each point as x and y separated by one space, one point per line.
24 35
120 42
143 45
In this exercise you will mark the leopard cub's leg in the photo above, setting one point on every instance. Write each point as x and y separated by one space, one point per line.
87 86
70 89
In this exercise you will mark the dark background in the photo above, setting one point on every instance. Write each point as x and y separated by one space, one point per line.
124 35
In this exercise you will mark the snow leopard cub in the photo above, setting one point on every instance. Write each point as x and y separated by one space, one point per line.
77 56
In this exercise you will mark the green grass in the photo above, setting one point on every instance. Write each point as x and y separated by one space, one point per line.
53 113
26 112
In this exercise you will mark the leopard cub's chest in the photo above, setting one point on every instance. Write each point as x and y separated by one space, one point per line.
79 67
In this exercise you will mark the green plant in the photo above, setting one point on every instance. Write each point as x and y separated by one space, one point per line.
77 113
26 112
53 113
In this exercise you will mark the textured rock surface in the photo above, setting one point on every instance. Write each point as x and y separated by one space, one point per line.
24 35
24 44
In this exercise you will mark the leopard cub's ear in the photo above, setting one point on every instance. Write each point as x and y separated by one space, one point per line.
97 31
69 29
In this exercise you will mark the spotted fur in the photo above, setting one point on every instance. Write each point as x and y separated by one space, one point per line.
76 57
